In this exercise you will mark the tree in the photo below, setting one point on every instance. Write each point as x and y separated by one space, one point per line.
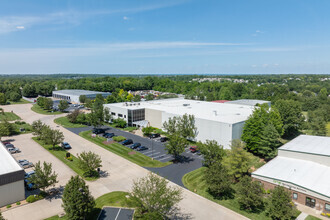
279 204
249 194
218 181
52 137
77 200
212 152
121 123
107 115
72 117
38 128
237 161
269 142
111 98
153 195
3 99
323 94
291 115
149 97
175 145
6 129
129 97
318 126
82 99
137 98
1 217
147 130
186 126
171 125
44 176
89 162
63 105
14 96
48 104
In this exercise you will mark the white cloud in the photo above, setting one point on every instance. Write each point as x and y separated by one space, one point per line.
125 18
20 27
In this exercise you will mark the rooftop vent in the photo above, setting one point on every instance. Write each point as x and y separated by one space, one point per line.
186 104
215 113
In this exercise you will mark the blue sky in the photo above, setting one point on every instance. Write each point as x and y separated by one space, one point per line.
168 36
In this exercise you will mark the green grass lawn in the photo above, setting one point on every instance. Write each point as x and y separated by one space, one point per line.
63 121
328 129
26 126
310 217
136 157
9 116
60 153
36 108
22 101
116 199
194 181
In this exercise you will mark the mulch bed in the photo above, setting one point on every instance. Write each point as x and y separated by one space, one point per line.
108 142
132 152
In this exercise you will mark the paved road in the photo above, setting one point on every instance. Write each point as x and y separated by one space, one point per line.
121 174
110 213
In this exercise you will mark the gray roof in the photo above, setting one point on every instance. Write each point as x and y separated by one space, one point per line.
7 163
78 92
309 144
251 102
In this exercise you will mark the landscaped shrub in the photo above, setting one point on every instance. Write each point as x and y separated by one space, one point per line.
33 198
118 138
148 130
69 158
8 206
18 203
130 129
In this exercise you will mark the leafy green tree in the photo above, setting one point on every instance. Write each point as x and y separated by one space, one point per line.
186 126
3 99
137 98
52 137
37 128
121 123
317 124
29 91
147 130
149 97
82 99
279 204
6 129
72 117
323 94
237 160
218 181
153 195
89 103
89 162
269 142
106 115
44 176
47 103
15 96
291 115
63 105
77 199
111 98
249 194
175 145
171 125
212 152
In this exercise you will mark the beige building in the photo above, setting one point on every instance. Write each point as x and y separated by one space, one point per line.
11 179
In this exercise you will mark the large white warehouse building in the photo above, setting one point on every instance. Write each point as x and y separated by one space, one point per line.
214 121
11 179
72 95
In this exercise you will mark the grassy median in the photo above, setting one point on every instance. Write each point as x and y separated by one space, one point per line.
9 116
64 121
60 153
36 108
21 101
125 152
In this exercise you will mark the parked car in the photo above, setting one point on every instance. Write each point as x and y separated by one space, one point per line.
154 135
30 186
5 142
9 146
25 163
126 142
193 149
27 181
135 145
65 145
141 148
163 139
98 131
14 150
108 135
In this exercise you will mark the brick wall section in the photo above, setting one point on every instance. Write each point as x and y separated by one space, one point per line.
319 204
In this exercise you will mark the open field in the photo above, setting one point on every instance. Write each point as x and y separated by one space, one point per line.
36 108
63 121
124 152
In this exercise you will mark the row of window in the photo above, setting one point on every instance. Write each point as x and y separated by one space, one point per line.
119 115
310 202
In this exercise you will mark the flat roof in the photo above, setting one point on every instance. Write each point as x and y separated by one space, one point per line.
78 92
251 102
306 174
309 144
226 113
7 163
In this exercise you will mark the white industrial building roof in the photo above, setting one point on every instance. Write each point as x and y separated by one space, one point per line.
78 92
251 102
226 113
309 144
7 163
306 174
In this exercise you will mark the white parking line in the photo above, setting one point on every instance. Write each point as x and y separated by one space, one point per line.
160 156
117 214
148 151
149 154
165 158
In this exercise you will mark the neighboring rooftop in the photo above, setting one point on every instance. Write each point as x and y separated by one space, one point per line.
309 144
78 92
226 113
7 163
305 174
250 102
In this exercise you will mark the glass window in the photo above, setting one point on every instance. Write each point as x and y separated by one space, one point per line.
120 115
113 113
327 207
295 196
124 116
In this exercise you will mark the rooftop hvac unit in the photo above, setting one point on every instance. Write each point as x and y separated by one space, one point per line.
130 104
139 103
215 112
186 104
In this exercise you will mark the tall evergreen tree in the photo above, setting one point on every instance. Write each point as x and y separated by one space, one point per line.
269 142
212 152
218 181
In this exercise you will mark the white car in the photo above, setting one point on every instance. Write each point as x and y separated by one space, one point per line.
14 150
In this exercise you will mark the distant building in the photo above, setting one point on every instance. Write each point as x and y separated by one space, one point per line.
214 121
72 95
11 179
303 167
250 102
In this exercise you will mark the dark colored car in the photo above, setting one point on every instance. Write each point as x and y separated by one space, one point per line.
27 176
193 149
135 145
65 145
98 131
9 146
154 135
141 148
163 139
126 142
108 135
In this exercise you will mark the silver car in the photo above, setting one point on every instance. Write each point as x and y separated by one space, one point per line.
14 150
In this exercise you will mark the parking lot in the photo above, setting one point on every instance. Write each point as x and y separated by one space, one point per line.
71 107
155 149
111 213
